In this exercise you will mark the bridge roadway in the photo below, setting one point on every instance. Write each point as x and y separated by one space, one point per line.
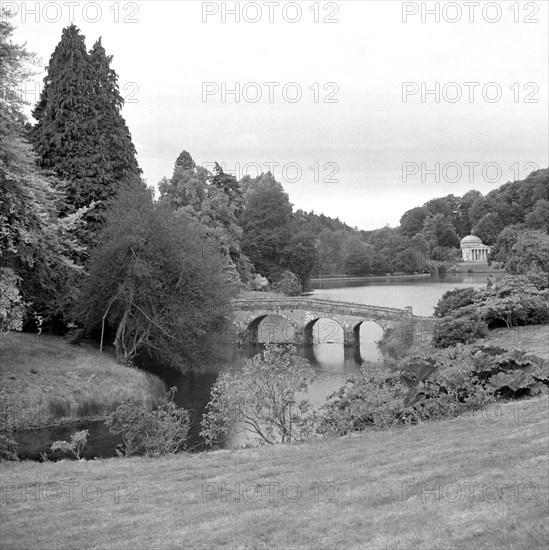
299 315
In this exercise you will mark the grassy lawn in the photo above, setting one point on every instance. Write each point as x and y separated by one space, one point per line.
532 338
44 379
475 482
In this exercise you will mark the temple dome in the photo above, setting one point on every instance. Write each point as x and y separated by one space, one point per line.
470 240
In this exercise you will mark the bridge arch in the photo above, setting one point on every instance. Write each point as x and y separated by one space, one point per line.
271 328
323 330
372 327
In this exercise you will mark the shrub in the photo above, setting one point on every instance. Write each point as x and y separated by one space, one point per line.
74 334
8 415
538 278
512 374
259 283
289 284
8 447
261 400
536 308
459 330
514 300
422 388
75 446
12 306
162 430
397 340
455 299
369 400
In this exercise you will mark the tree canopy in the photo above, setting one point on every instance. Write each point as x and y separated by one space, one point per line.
35 246
80 135
150 282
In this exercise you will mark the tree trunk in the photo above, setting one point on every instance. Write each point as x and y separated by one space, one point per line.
119 343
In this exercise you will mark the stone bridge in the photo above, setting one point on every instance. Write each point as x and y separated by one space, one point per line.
293 320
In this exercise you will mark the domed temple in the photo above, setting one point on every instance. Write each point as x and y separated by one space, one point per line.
473 250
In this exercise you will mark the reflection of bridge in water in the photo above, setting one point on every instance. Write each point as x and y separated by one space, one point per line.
298 320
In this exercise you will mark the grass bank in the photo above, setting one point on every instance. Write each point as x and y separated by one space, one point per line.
477 482
44 380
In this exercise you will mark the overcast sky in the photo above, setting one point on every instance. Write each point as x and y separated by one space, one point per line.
361 143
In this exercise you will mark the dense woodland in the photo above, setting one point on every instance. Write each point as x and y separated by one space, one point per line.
87 247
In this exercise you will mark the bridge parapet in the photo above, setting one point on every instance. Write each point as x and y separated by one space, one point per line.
327 306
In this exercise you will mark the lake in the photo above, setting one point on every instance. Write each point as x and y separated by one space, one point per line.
422 293
332 363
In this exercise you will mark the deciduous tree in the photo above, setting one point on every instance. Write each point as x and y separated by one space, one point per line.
151 284
35 247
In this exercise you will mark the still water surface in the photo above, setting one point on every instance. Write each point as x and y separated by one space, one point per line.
332 363
422 293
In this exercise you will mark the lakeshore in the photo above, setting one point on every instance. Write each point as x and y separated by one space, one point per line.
46 381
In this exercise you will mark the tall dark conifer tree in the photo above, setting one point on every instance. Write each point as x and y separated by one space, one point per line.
80 134
115 136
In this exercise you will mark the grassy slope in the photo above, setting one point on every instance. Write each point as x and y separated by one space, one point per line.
39 371
533 339
367 472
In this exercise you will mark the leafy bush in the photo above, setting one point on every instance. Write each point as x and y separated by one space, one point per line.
8 414
74 334
75 446
459 330
512 374
156 432
369 400
446 383
12 307
261 400
289 284
514 300
8 447
397 340
538 278
422 388
455 299
259 283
